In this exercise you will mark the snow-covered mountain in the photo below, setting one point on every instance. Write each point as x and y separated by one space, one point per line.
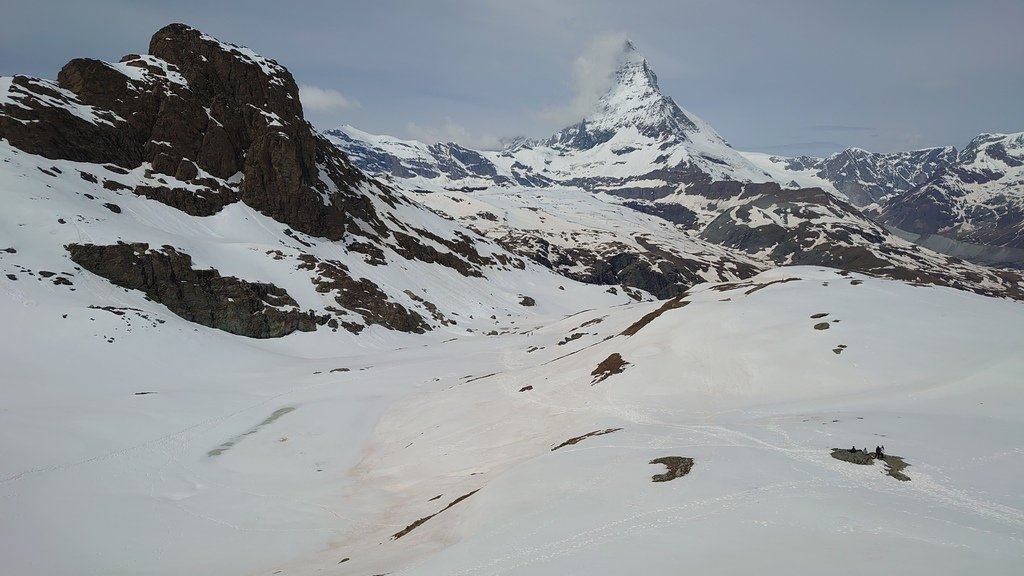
227 350
592 240
865 178
968 204
637 148
636 142
978 198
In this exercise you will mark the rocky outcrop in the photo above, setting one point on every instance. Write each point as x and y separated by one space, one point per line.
211 123
166 276
198 124
362 296
44 119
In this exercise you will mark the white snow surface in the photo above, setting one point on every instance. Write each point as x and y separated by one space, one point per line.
138 69
141 443
253 456
775 166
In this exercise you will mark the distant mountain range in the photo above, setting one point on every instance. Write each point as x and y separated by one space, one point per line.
969 203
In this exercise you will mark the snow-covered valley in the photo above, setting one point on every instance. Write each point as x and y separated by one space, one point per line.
296 454
231 346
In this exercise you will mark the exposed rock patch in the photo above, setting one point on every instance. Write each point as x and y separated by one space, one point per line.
420 522
894 465
678 466
361 296
672 304
577 439
613 364
767 284
570 338
253 309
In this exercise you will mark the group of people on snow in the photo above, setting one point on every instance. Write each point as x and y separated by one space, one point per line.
879 452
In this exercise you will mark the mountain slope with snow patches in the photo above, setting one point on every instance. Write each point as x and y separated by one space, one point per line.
543 467
963 203
865 178
979 198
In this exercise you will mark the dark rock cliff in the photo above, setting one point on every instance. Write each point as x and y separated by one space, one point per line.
210 122
205 297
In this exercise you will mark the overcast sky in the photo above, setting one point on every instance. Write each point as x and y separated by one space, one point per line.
782 76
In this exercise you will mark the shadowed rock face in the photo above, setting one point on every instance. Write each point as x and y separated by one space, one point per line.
197 111
867 177
45 125
227 303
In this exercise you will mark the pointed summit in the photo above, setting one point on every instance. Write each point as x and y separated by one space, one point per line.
633 69
634 102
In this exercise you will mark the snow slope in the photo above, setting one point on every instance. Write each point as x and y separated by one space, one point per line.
264 455
740 380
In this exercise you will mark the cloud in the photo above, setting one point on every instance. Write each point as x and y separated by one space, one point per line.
592 77
324 100
811 148
452 132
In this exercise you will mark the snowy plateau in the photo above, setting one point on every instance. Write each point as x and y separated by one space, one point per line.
233 345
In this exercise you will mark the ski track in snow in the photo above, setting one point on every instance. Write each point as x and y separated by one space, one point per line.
182 436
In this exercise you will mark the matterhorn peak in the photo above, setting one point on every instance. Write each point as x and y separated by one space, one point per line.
633 102
633 69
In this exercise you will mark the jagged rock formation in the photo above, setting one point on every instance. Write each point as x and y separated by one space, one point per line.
968 204
207 123
867 178
810 226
